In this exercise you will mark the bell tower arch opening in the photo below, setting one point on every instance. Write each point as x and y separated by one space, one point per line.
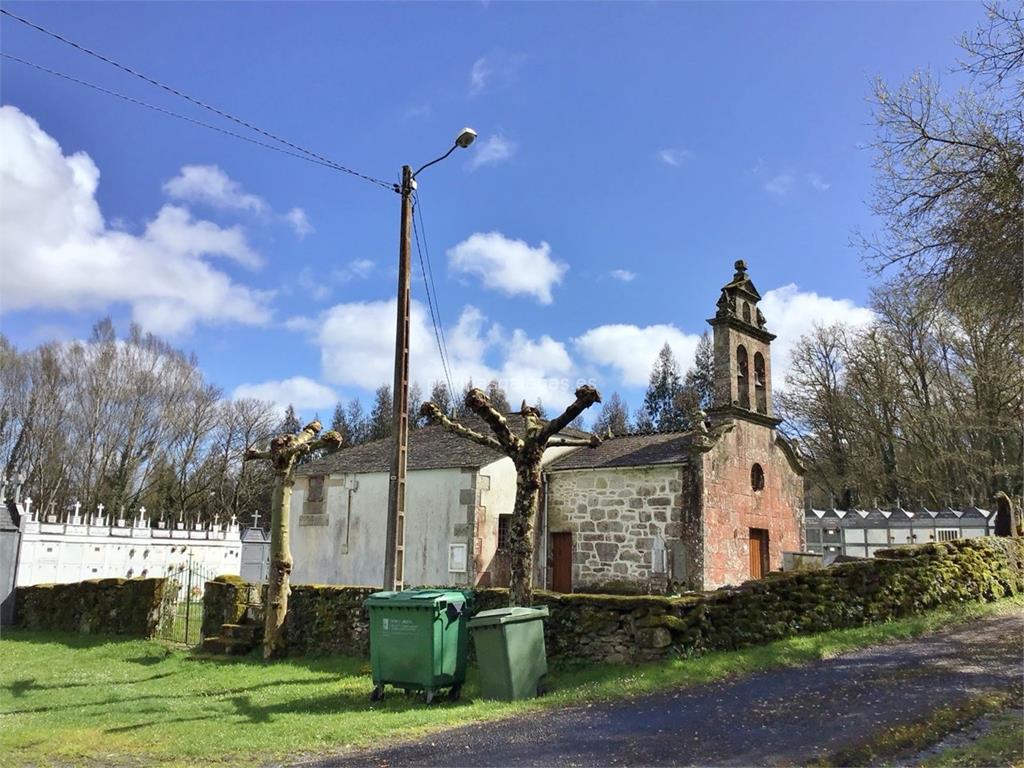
742 352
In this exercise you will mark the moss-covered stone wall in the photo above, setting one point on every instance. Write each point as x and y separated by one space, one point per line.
100 606
617 629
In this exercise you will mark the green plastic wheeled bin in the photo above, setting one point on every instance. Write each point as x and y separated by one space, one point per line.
418 641
510 652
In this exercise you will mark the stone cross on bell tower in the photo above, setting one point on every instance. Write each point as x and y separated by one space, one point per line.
742 352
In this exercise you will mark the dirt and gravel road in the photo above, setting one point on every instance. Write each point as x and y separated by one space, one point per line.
782 717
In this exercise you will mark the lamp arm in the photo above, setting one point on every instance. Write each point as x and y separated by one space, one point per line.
438 160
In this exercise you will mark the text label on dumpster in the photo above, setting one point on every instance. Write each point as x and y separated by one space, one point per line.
399 626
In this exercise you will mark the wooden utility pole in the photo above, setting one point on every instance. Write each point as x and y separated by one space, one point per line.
394 553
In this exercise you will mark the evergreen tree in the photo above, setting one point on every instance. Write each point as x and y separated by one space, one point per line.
381 415
340 424
614 417
700 379
459 407
290 425
441 397
497 396
663 403
359 429
415 401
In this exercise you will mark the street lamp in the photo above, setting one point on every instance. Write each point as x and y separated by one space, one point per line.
394 551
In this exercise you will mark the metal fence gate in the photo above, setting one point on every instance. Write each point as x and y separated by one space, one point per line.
181 609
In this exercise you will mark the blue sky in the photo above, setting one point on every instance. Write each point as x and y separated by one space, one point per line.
628 154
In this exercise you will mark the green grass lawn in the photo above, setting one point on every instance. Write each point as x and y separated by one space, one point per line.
73 699
1002 744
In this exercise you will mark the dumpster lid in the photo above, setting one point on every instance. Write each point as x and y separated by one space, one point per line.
507 616
415 598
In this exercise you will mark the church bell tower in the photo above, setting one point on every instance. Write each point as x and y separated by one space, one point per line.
742 353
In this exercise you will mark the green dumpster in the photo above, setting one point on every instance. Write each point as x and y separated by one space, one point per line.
418 641
510 652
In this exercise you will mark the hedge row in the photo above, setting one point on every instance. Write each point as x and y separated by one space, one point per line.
100 606
896 583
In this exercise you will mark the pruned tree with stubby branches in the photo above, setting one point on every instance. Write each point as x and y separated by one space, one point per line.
283 454
527 453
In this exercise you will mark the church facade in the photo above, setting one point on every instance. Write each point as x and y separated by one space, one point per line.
692 510
649 513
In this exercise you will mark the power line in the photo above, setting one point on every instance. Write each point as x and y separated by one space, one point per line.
417 211
169 112
438 333
197 102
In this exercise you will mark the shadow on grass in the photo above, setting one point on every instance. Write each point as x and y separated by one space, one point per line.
21 687
74 640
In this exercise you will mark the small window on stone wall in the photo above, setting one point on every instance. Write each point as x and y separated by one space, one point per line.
757 477
504 527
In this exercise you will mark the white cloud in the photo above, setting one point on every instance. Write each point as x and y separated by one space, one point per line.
492 150
311 285
497 68
210 185
623 274
631 350
510 266
358 269
674 156
816 181
298 220
59 253
790 313
299 391
174 229
479 74
779 185
356 342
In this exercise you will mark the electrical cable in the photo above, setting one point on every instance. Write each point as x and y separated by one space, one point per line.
441 349
197 102
168 112
417 211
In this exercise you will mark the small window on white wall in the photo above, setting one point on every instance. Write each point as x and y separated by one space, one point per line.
947 534
457 558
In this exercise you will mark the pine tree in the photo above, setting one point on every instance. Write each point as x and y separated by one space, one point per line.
496 395
700 379
614 417
441 397
291 424
340 424
415 401
357 424
459 407
381 415
662 403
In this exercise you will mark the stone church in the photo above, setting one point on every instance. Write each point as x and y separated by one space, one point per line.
657 512
688 510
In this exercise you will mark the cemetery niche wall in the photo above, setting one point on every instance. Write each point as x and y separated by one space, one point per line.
77 546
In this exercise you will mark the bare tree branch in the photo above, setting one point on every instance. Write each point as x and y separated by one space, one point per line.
437 416
586 396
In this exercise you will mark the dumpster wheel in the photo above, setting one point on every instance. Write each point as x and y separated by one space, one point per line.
542 686
428 695
455 692
377 693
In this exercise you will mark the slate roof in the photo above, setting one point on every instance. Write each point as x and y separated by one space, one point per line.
897 517
628 451
430 447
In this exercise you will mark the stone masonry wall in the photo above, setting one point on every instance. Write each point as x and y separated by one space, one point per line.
614 515
95 607
731 507
619 628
